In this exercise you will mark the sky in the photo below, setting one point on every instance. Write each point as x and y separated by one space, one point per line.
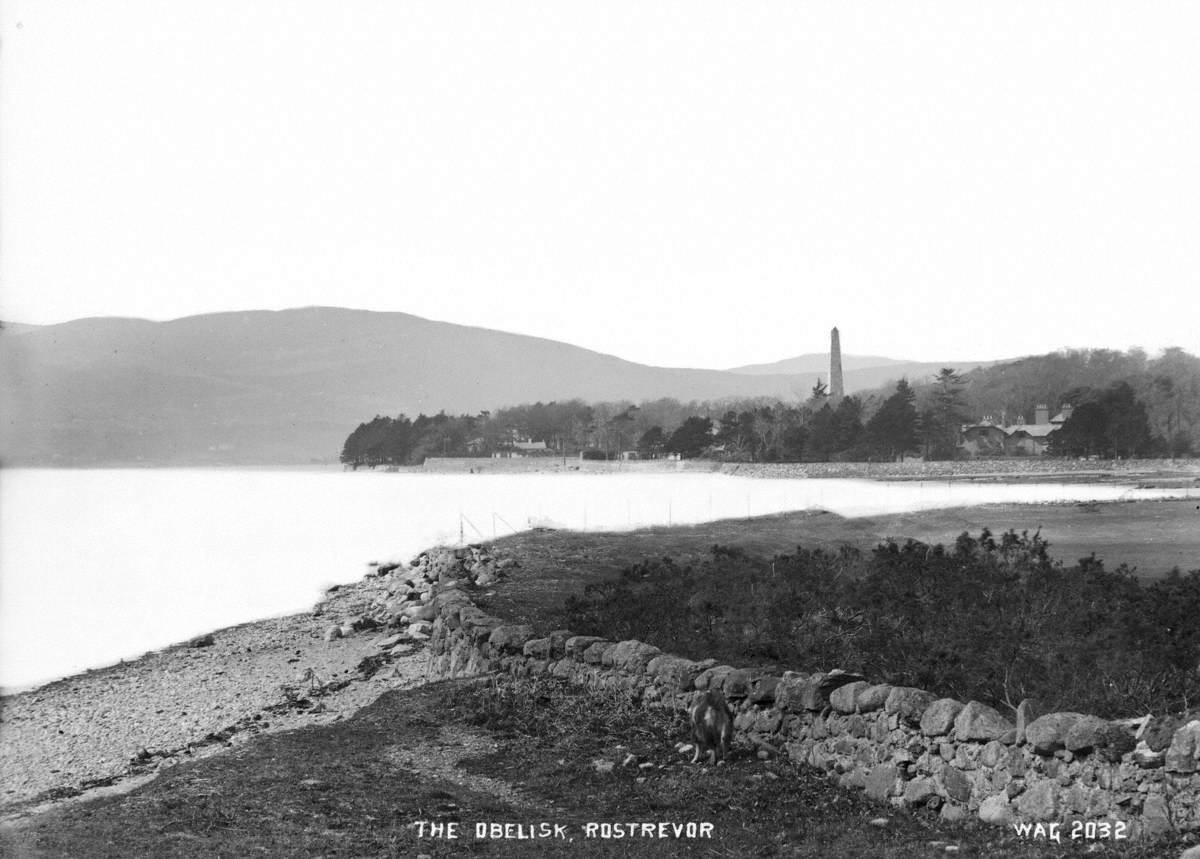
681 184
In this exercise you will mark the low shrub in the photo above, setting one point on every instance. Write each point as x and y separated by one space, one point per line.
985 619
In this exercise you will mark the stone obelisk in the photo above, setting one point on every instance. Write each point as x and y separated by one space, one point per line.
836 390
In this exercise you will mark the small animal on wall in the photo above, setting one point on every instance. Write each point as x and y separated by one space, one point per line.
712 727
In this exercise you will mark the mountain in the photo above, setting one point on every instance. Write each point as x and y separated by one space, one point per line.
288 386
859 372
274 387
814 362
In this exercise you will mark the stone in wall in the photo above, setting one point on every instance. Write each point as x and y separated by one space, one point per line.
908 704
1047 734
762 691
510 637
844 699
633 656
872 698
1183 755
789 692
980 722
938 718
713 678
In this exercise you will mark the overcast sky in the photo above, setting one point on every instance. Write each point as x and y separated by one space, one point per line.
679 184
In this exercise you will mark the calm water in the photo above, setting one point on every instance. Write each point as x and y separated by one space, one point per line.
100 565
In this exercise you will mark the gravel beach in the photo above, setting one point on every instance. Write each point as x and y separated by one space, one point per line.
104 727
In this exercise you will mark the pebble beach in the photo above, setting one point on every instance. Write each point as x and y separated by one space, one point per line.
114 725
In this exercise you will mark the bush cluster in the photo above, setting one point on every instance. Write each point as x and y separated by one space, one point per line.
994 620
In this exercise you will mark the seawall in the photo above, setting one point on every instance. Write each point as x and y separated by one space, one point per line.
1185 470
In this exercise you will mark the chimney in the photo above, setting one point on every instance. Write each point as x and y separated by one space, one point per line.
1041 414
836 389
1066 411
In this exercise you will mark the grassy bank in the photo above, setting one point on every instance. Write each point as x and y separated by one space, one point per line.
1151 536
521 752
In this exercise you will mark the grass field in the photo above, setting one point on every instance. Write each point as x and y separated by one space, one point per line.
1152 536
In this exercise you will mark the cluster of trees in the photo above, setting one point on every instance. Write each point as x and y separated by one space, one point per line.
1111 423
758 431
987 619
1167 387
1125 404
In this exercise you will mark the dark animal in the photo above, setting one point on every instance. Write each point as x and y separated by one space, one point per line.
712 727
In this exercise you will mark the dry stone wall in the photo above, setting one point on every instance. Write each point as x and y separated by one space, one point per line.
902 746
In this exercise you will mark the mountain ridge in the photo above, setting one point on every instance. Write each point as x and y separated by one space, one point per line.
287 386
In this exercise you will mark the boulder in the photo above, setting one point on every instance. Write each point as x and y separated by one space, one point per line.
762 690
938 718
956 785
510 638
1183 755
538 648
737 684
558 641
980 723
1027 711
993 754
1156 816
952 812
843 698
996 810
872 698
680 673
814 693
1146 758
1047 734
597 652
712 678
1114 742
1040 799
789 691
881 783
633 656
919 790
838 678
577 644
1084 734
908 703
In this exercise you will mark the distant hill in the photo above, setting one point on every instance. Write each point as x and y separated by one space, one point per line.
859 372
816 362
288 386
273 387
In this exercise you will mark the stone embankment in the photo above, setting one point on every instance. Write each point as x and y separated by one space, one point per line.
1023 468
903 746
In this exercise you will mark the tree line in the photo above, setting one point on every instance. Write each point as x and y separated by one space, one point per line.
1124 404
816 430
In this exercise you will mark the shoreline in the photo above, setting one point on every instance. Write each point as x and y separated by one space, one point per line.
107 729
1015 469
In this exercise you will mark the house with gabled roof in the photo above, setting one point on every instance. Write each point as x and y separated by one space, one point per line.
989 438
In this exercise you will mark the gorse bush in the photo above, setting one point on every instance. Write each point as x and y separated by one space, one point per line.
985 619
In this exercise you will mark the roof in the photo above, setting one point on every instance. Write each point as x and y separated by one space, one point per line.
1035 430
529 445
